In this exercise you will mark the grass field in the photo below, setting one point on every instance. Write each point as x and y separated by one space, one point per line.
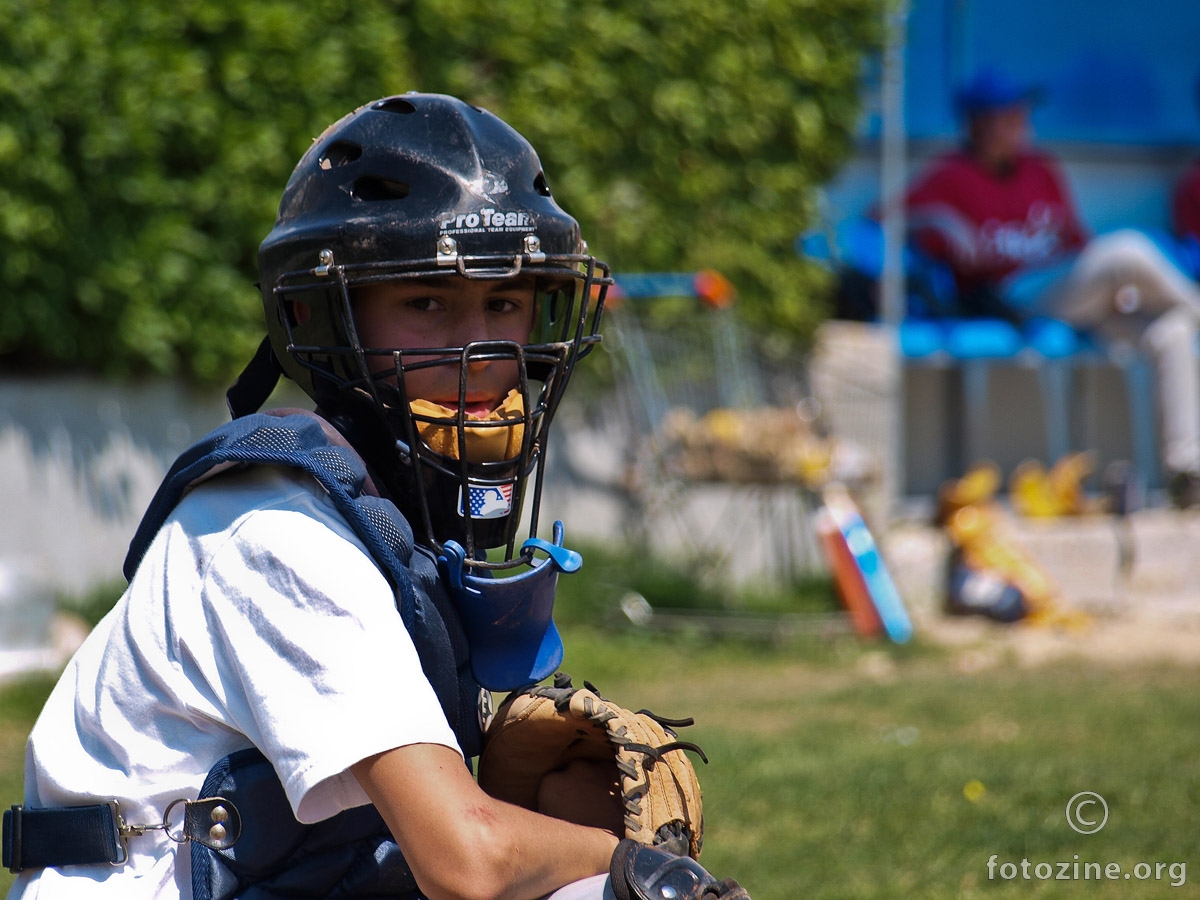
840 770
19 705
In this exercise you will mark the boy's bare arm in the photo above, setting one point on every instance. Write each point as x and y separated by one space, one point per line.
463 844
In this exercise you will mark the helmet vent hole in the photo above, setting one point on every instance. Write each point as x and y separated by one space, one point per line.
395 105
340 153
370 188
540 185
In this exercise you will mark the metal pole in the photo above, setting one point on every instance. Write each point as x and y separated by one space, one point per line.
893 176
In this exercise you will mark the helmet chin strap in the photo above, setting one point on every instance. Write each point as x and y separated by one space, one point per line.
252 388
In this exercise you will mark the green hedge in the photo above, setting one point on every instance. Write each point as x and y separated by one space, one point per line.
146 144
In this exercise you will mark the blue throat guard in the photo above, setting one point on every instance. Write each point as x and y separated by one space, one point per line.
509 621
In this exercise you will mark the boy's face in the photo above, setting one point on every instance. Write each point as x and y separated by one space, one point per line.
448 312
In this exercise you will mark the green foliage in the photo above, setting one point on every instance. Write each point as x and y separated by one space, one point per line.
682 133
147 144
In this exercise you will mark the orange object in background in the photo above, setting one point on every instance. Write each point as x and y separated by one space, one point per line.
847 578
714 289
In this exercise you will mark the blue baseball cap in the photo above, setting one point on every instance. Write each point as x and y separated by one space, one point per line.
991 89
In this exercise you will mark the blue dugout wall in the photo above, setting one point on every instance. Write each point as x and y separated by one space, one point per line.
1120 104
1114 71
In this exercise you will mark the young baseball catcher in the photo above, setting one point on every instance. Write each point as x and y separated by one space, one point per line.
287 700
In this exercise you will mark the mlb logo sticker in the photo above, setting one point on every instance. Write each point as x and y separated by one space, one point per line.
488 502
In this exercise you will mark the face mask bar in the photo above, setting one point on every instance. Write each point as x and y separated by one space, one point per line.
500 481
572 316
569 314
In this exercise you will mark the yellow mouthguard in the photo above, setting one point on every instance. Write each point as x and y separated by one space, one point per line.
489 444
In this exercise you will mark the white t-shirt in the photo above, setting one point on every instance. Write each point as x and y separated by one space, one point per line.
258 618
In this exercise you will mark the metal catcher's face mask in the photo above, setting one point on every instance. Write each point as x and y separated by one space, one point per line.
457 475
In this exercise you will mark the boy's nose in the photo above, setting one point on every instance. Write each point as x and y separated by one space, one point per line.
471 327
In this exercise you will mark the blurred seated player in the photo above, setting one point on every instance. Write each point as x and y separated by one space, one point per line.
1001 216
1185 211
1185 205
296 632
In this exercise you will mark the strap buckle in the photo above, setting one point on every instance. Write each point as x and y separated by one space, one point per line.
123 833
212 821
64 836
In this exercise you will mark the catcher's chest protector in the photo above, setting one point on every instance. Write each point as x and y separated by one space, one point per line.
352 854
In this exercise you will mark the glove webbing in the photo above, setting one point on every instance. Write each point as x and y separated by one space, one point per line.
655 753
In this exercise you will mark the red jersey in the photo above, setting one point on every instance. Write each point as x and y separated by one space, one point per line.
986 226
1185 205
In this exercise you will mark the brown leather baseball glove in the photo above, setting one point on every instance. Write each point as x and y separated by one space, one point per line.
543 731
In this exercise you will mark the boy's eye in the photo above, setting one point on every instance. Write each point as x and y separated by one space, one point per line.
505 304
423 304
